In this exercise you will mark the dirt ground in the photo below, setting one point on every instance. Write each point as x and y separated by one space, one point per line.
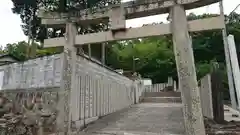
227 128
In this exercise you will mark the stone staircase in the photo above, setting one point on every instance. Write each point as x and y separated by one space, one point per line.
161 97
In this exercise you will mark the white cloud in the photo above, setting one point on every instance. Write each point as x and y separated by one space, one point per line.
11 30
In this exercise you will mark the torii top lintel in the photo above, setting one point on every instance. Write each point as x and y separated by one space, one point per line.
132 9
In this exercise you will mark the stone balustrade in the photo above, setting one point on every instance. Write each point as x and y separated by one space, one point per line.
98 91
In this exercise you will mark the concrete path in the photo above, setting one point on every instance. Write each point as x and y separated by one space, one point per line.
141 119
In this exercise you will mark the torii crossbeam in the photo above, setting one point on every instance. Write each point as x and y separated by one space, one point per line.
132 9
132 33
117 16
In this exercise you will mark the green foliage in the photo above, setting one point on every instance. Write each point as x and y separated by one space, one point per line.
192 16
18 50
156 57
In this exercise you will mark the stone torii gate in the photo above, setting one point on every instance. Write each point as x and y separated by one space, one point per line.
117 15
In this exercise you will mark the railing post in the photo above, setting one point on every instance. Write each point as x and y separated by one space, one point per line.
134 92
103 53
228 61
235 67
206 96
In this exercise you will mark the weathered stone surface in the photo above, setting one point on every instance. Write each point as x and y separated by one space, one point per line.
206 96
133 9
186 72
162 94
141 119
132 33
235 66
162 100
28 111
96 70
36 73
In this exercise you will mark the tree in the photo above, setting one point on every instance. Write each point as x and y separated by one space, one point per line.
28 9
18 50
160 63
155 57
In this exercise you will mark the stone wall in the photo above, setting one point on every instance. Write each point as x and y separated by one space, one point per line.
35 73
46 72
98 90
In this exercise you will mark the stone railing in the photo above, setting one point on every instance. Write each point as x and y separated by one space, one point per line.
33 90
99 91
211 95
206 96
158 87
36 73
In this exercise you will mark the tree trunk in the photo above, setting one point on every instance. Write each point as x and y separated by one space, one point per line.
217 96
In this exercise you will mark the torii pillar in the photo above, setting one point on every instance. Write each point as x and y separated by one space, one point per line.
68 80
192 110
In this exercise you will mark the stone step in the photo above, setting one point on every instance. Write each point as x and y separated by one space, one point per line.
162 94
128 133
161 100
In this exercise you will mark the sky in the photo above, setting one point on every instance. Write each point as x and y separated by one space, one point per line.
11 31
